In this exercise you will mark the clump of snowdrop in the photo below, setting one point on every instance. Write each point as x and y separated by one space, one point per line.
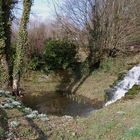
32 115
35 115
27 110
6 105
10 103
4 93
43 117
14 124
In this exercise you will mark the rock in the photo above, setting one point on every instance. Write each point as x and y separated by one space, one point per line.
109 93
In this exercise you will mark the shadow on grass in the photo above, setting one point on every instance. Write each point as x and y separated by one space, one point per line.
4 127
3 124
72 82
41 134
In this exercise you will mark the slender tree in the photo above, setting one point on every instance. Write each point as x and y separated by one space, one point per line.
22 42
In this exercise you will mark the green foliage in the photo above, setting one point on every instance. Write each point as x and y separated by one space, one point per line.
1 21
5 41
133 132
107 64
121 75
60 55
36 62
135 90
22 41
2 132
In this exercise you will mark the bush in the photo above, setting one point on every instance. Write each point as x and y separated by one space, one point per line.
36 62
60 55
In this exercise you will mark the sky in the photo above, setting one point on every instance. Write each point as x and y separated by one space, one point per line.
42 10
45 10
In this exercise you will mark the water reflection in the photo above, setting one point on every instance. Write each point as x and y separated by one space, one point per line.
56 104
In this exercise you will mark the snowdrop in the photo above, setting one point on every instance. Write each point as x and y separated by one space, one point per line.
43 117
14 124
27 110
10 103
32 115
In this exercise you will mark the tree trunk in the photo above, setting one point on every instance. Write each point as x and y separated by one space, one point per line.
5 44
22 43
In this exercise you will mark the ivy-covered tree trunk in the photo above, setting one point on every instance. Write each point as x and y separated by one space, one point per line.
22 43
5 43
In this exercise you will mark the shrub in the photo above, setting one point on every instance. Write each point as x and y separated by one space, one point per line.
60 55
36 62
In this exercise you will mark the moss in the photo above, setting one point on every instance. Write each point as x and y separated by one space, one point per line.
121 75
133 91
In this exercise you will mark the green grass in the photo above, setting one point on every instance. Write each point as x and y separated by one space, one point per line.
132 133
2 132
119 121
25 128
92 87
133 91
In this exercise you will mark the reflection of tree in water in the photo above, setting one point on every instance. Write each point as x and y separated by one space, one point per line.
52 106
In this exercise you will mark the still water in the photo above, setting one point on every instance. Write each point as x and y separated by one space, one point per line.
56 104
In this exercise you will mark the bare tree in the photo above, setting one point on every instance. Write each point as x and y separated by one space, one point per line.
107 24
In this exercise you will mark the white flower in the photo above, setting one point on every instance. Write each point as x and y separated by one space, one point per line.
27 110
7 105
14 124
35 112
43 117
15 103
31 116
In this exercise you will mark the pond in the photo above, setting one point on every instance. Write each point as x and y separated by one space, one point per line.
60 105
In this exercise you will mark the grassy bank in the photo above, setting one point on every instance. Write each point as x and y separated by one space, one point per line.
119 121
91 86
19 122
